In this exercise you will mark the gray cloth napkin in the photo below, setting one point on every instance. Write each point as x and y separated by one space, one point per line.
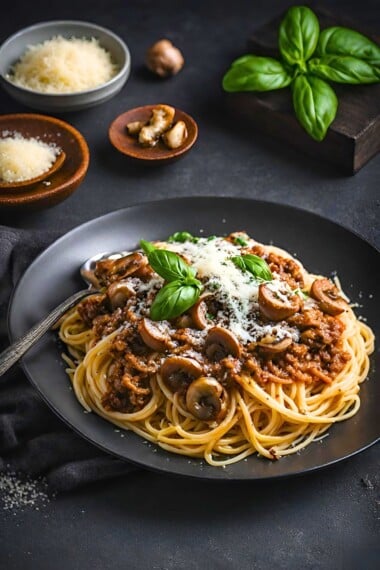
32 439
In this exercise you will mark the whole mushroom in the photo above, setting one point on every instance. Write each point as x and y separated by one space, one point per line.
164 59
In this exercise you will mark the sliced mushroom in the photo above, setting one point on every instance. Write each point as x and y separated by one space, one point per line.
206 399
109 270
328 296
153 335
179 371
198 313
144 272
183 321
275 346
174 137
160 121
118 293
220 343
135 127
273 307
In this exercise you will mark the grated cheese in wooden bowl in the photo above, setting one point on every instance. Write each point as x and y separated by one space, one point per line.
24 158
62 65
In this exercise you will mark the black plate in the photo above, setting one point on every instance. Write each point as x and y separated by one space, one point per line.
322 246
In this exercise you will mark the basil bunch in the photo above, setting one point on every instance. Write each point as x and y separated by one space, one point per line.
182 289
309 58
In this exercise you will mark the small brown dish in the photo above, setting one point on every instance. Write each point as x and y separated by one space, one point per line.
159 154
65 175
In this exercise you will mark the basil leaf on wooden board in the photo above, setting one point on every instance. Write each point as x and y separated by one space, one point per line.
254 73
173 300
298 35
257 266
344 41
315 105
344 69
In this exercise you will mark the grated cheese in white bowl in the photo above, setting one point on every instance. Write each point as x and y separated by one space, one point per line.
62 65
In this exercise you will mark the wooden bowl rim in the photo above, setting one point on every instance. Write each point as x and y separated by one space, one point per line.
32 195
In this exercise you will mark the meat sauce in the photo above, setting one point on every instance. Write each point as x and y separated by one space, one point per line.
314 352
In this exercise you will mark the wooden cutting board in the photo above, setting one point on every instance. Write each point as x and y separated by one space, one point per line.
353 138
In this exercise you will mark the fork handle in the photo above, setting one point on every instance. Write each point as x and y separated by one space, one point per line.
14 352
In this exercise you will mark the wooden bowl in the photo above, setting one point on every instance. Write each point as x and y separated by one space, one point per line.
159 154
62 181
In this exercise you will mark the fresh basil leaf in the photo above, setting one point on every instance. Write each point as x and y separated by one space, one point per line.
315 105
169 265
239 240
255 265
298 35
343 69
192 281
181 237
173 300
303 294
344 41
254 73
239 262
147 246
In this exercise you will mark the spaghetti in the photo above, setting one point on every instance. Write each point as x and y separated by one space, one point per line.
253 366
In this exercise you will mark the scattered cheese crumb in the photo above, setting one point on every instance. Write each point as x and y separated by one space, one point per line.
25 158
18 493
62 65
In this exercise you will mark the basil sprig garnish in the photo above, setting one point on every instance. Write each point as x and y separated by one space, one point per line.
181 237
241 240
182 289
340 54
255 265
174 299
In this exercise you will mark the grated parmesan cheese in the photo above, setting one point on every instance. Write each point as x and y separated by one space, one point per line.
61 65
22 158
236 291
20 492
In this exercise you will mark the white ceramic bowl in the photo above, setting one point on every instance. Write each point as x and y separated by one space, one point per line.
15 46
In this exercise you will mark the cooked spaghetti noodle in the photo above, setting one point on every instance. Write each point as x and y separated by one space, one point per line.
253 366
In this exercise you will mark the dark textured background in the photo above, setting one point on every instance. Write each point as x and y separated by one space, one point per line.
323 520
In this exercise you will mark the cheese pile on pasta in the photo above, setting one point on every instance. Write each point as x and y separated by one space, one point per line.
217 348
